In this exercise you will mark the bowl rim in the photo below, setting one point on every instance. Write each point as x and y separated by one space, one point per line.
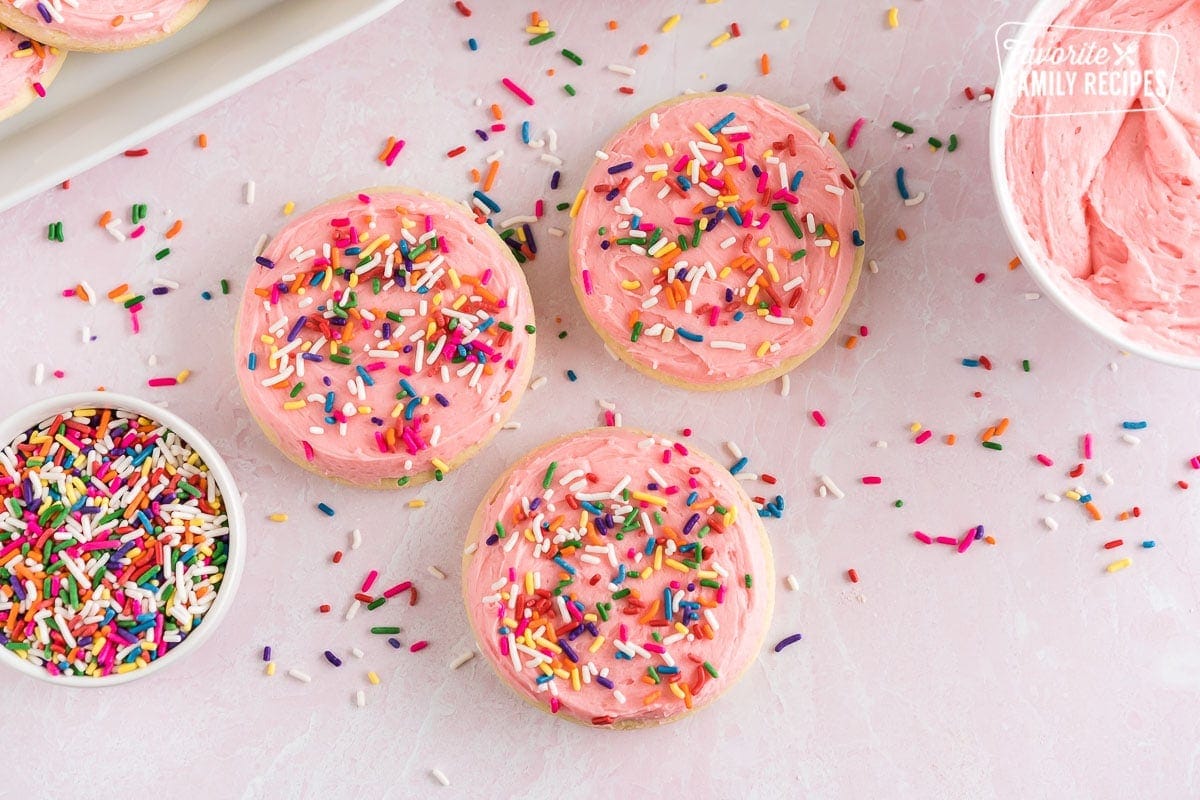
1010 216
30 415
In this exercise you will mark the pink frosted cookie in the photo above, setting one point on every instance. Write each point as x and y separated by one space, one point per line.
98 25
26 69
384 337
717 241
618 578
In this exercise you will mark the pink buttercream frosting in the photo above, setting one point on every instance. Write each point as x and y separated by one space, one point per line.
93 19
626 516
1112 200
20 67
752 294
439 341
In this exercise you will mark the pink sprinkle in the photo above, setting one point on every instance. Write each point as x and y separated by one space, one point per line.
403 586
923 437
390 158
854 131
713 316
1044 460
1196 462
818 418
417 647
681 449
369 581
161 382
921 537
308 451
554 701
966 540
863 330
138 231
946 540
364 198
58 373
980 277
609 419
587 282
1087 445
517 90
41 90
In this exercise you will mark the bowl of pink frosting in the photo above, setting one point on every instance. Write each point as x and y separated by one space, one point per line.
1095 158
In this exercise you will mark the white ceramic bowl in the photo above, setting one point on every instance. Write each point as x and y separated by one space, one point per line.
1090 313
31 415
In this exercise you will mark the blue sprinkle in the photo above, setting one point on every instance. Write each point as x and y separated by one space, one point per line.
722 122
739 316
325 509
684 333
796 178
525 131
735 214
571 375
366 376
487 201
1134 426
900 183
1148 544
970 362
252 361
856 237
739 465
474 45
683 182
1086 498
206 295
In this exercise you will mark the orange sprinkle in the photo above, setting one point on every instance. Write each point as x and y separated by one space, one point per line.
1002 427
612 25
851 342
641 51
901 235
474 176
951 439
491 176
82 294
117 292
387 148
202 140
117 20
1016 262
175 229
1095 512
105 218
990 539
765 64
496 112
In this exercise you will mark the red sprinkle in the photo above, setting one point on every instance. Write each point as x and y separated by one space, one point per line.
970 95
818 418
981 277
872 480
363 597
462 8
852 575
735 30
458 151
1113 543
1045 460
141 151
337 557
985 362
839 83
324 608
1075 473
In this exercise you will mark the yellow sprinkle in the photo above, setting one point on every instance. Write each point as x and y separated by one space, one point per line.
724 272
529 583
459 303
916 426
646 573
658 557
293 405
373 678
575 679
705 132
658 176
67 443
278 517
575 205
1117 566
288 208
416 503
267 339
649 498
762 349
127 668
752 295
631 285
596 644
673 564
784 23
439 464
373 246
720 40
675 690
668 150
1072 495
833 249
549 645
454 280
664 251
893 17
671 22
545 668
270 669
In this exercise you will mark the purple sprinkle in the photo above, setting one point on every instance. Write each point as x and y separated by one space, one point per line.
554 179
267 653
296 328
394 642
332 659
265 262
615 168
603 681
787 640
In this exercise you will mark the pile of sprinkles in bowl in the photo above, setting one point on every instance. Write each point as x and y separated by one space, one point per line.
113 542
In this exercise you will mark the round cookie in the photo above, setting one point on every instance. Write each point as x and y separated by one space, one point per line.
26 69
385 337
99 26
618 578
718 241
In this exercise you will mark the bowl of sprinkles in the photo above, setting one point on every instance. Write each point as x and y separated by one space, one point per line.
618 578
120 539
717 241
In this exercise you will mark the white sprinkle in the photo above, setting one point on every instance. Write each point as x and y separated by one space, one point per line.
249 193
352 610
1112 366
85 334
803 108
915 199
621 69
873 265
559 232
828 483
355 539
303 677
1129 438
829 187
1050 523
792 583
538 382
463 659
866 176
360 698
733 449
440 777
785 385
1106 479
881 444
39 374
354 651
1052 497
437 573
603 156
720 344
1032 296
261 245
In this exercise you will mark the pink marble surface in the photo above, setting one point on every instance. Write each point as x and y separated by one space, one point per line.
1020 670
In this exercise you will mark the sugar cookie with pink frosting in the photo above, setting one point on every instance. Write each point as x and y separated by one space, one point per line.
618 578
26 69
717 241
384 337
98 25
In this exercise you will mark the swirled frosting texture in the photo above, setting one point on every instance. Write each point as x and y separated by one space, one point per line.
408 323
1113 200
751 290
632 582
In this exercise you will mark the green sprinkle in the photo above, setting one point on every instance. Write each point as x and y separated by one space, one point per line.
161 254
993 445
953 143
438 475
569 89
935 143
563 206
224 286
653 673
402 481
710 669
385 630
710 583
500 529
617 595
549 474
530 329
637 331
55 232
749 580
602 610
542 37
562 334
133 301
798 254
339 359
374 604
567 54
900 126
797 231
296 389
1025 364
899 504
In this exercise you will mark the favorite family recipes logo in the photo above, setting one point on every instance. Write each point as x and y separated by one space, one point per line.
1060 70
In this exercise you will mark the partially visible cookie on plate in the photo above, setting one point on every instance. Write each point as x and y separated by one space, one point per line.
98 26
27 67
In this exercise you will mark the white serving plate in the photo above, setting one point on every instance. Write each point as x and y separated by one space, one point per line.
102 104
